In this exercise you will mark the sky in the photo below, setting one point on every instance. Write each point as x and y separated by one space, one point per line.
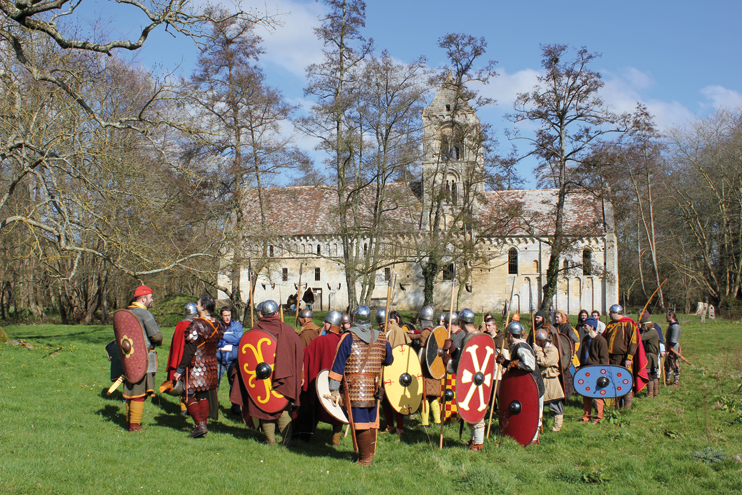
680 58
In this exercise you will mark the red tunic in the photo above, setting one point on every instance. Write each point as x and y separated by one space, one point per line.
318 356
176 348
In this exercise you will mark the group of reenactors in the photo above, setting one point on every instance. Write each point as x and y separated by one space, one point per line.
285 382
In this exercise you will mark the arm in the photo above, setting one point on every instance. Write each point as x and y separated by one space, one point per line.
153 331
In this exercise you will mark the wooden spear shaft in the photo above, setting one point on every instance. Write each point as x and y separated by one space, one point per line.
450 322
252 292
298 297
502 348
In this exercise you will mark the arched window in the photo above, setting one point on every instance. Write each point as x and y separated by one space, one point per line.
270 251
587 263
513 261
565 265
365 249
454 193
319 250
535 267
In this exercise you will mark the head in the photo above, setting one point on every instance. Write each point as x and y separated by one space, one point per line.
542 337
206 305
582 316
395 316
305 316
362 315
332 322
615 312
670 316
381 318
452 318
257 309
466 316
191 309
595 314
426 316
144 295
591 324
516 317
490 323
515 331
346 322
539 318
226 315
560 318
268 308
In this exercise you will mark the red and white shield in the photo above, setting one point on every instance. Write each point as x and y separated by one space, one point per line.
476 376
257 358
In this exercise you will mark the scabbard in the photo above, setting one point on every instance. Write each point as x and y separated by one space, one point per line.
350 415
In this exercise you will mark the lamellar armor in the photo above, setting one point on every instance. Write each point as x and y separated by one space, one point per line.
203 371
363 370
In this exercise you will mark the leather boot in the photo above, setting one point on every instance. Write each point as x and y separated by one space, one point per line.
337 434
200 430
656 387
558 421
269 429
650 389
366 440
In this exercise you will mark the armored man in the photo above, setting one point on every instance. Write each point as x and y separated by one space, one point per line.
361 353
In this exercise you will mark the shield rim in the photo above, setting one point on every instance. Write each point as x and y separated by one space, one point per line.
322 387
418 399
503 409
472 340
431 347
629 387
246 380
132 375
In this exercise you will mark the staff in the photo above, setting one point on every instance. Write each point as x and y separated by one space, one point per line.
502 348
298 296
252 292
450 322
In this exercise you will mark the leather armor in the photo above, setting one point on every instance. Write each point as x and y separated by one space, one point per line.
203 371
362 378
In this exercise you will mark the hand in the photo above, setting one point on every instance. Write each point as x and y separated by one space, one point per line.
447 344
176 376
334 396
500 358
627 364
446 359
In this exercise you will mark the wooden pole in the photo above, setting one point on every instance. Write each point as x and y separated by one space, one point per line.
650 298
450 321
252 292
298 297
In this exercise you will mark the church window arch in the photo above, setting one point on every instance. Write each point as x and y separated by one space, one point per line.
587 263
513 261
565 266
319 249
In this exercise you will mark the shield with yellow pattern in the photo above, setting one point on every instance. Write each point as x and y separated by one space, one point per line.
257 358
403 381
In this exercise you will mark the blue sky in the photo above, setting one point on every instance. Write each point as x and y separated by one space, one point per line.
680 58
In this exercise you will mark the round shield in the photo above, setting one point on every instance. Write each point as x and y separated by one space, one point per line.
403 380
434 353
322 383
131 343
518 406
257 357
476 376
603 381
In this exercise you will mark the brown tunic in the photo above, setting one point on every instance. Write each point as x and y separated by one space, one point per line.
622 340
308 333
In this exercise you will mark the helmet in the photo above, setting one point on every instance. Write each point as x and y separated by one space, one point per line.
268 307
381 317
466 315
427 313
306 313
334 318
515 328
345 319
542 334
441 317
453 317
190 309
616 308
516 317
362 314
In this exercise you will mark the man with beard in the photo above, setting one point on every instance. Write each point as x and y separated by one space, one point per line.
319 355
361 353
227 350
621 335
563 345
136 393
199 358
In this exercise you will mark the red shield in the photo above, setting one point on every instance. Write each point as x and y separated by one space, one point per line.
476 376
257 358
132 344
518 406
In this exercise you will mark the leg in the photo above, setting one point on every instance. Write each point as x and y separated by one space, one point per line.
477 436
557 408
388 415
366 446
599 404
269 429
337 434
135 410
425 413
435 408
284 427
587 405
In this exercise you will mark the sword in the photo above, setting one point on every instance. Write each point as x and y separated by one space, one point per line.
680 356
115 385
450 320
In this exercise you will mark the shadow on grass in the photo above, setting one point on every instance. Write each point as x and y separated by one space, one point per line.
98 334
113 414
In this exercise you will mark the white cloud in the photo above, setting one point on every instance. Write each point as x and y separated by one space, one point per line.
505 87
721 97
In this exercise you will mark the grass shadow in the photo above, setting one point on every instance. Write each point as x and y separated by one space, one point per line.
113 414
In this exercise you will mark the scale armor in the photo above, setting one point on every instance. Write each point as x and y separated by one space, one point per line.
362 382
203 371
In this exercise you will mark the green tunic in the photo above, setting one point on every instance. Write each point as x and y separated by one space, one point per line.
651 341
145 386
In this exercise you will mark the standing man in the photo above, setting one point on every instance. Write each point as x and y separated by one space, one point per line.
319 355
593 350
176 348
136 393
601 326
651 341
621 335
308 331
673 342
361 353
547 358
199 363
228 348
286 377
432 388
476 430
345 323
396 336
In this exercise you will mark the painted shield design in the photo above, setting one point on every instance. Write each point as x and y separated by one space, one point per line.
518 406
434 353
322 384
476 376
603 381
403 380
132 344
257 358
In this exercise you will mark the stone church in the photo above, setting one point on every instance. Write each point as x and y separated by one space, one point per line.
512 229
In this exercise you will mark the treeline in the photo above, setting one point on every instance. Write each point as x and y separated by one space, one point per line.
112 176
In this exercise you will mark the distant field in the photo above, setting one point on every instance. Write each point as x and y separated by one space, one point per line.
60 433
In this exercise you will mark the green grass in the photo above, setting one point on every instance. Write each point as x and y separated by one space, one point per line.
60 433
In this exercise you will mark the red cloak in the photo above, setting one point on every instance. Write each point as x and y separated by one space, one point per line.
641 376
176 348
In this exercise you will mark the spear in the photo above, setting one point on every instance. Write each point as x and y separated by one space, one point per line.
280 303
502 348
389 290
252 292
450 322
298 296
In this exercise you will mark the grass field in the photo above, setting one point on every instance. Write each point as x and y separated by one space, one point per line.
60 433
